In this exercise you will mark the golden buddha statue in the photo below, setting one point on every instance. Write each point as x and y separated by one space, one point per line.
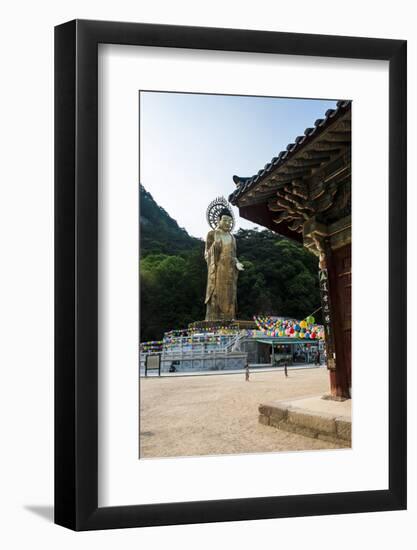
222 264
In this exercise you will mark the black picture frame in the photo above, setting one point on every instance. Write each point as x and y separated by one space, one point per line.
76 271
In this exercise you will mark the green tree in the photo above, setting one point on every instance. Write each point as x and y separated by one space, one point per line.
280 276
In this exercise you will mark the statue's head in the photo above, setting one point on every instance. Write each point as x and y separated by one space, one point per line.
220 215
225 220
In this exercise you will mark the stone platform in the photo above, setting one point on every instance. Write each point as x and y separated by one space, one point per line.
239 324
312 417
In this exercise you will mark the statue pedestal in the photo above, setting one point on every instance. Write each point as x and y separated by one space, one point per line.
238 324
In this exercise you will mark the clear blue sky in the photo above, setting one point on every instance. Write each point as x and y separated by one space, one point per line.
192 144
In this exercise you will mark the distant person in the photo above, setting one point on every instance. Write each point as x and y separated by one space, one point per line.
317 359
285 370
247 372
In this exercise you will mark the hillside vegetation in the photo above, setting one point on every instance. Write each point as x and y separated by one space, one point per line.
280 276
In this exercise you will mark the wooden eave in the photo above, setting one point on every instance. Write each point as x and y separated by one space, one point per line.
324 157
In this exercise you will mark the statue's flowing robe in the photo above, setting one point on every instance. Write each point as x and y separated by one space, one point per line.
220 255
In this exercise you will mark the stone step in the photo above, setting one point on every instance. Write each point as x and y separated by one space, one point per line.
311 417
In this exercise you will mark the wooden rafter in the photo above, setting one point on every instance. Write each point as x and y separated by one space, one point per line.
339 137
326 146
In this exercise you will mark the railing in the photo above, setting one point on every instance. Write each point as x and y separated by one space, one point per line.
199 360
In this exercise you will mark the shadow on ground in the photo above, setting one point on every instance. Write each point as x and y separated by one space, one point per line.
45 512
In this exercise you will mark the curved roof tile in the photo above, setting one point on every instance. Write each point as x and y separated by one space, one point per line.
243 184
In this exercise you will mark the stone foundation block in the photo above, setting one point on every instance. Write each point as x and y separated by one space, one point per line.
293 428
333 439
344 429
304 421
263 419
317 422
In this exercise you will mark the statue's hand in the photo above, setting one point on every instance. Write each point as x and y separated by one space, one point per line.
239 266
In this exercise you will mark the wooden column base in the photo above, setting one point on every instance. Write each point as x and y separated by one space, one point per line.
339 386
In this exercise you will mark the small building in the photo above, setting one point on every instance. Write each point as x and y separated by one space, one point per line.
226 349
304 194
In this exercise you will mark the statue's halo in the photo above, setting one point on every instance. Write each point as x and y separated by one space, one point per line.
214 209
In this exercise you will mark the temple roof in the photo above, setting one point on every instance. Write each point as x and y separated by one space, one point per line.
293 158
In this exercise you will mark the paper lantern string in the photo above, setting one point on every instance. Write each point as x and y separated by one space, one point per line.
275 327
278 327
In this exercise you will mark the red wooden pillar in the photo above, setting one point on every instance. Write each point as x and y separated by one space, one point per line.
339 271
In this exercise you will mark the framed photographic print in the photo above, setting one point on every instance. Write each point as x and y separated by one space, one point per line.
230 275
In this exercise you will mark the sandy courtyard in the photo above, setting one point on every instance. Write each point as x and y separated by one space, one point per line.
218 414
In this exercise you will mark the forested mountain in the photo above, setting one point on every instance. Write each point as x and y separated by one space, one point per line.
280 276
158 231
